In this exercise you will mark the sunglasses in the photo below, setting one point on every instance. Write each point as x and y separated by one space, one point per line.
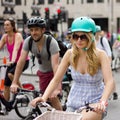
82 37
39 58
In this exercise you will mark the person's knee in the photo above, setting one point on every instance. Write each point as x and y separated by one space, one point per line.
10 75
6 88
7 93
56 103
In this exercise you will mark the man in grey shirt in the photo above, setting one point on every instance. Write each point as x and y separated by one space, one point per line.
47 67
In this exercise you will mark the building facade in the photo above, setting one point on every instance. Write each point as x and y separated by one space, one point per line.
104 12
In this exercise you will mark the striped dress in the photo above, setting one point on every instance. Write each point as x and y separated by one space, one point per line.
85 88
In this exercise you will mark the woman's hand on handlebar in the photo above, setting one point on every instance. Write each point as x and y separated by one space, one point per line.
99 107
10 63
14 87
36 100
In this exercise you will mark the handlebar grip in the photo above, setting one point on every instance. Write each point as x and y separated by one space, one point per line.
46 105
23 90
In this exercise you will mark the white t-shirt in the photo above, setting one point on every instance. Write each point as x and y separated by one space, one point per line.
105 46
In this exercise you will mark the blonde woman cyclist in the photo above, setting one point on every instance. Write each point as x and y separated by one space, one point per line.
89 65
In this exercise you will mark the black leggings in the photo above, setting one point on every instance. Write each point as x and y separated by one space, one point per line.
11 69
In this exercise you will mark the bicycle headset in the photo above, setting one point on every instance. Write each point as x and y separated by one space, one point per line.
36 22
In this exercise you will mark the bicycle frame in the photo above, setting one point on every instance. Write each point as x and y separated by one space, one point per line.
8 104
3 68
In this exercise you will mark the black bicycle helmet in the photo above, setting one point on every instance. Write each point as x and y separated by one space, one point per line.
36 22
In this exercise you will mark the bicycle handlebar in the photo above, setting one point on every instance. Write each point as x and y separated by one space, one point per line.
4 65
26 90
87 107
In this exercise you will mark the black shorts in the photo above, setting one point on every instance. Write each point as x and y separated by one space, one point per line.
11 69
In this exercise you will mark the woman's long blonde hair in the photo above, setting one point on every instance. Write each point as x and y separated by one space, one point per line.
92 58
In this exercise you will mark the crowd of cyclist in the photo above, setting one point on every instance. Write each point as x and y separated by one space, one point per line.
90 66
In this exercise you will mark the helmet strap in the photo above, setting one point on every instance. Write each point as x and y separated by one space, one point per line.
93 38
86 48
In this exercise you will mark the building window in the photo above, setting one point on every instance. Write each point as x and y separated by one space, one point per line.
89 1
8 0
68 1
72 1
118 1
100 1
41 2
24 2
18 2
81 1
50 1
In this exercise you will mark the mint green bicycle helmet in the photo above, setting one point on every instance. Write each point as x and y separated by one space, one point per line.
83 24
98 28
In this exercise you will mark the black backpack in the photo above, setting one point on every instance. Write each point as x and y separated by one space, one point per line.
101 41
63 48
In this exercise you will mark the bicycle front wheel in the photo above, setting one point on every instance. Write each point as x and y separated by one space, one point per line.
22 107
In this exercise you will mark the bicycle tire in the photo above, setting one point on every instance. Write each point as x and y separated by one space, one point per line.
63 99
22 107
29 117
0 106
33 113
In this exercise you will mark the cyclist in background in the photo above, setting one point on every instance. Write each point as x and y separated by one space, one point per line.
47 67
116 44
89 65
14 41
116 50
68 38
102 43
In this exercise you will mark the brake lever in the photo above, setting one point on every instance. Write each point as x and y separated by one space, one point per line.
88 108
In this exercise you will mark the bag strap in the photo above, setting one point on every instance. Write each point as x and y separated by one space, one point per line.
30 49
49 38
101 41
30 43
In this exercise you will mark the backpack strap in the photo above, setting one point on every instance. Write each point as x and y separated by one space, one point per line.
49 38
30 49
101 41
30 43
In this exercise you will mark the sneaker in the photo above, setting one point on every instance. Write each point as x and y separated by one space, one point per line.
115 96
3 112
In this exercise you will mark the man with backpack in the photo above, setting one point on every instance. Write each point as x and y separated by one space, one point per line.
103 44
48 64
